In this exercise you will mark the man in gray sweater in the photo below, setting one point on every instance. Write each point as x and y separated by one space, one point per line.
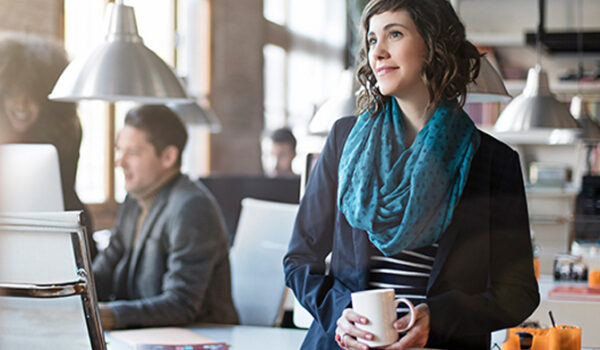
167 262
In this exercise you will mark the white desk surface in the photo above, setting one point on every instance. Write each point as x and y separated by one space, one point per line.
240 337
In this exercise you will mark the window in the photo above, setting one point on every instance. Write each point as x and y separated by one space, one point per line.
303 60
98 181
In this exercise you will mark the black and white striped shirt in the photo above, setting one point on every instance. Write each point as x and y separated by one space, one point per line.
407 273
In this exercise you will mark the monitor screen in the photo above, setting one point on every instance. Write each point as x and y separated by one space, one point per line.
30 178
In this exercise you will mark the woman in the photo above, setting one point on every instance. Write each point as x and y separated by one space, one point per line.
29 68
411 195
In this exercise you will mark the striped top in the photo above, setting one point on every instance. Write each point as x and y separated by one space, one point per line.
407 273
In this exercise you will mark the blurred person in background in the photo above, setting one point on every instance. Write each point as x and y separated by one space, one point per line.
281 154
29 68
167 262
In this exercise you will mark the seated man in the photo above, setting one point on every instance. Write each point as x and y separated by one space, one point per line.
167 262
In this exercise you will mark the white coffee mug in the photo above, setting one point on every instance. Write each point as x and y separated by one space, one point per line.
379 307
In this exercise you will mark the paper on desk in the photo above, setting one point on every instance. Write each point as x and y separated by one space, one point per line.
163 335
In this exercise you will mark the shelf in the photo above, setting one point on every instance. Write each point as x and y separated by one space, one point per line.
542 137
497 40
588 89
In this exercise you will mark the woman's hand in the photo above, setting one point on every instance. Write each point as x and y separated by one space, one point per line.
346 333
417 336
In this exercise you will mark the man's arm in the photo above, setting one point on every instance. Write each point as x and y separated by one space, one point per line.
104 265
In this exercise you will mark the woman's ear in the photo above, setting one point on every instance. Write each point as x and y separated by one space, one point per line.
169 156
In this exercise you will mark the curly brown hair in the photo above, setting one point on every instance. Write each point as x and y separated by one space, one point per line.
451 62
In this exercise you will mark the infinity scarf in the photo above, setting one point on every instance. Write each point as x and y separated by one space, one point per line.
403 197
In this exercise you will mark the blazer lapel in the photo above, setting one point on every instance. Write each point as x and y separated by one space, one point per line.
147 226
468 213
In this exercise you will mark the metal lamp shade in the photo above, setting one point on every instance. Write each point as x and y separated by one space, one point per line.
488 87
341 104
590 130
194 114
535 108
120 69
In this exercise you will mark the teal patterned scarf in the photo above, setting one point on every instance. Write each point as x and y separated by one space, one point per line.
402 197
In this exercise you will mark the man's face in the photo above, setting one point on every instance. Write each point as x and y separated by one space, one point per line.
142 167
283 154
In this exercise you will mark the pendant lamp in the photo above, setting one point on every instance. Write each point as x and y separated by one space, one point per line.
121 68
341 104
488 86
195 114
536 107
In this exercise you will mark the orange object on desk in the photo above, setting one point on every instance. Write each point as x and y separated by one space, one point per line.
536 267
561 337
594 278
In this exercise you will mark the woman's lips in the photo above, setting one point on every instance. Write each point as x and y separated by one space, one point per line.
385 70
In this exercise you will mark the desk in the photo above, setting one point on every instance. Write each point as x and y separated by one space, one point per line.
240 337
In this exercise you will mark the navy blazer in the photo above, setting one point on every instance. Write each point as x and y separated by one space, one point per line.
482 278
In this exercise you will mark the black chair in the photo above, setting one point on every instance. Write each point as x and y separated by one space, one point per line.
229 190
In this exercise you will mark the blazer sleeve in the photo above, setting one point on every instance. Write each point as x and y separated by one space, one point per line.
196 242
322 294
512 291
104 265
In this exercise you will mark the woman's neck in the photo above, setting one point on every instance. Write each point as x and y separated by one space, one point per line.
416 115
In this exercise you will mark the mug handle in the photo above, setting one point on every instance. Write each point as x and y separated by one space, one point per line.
412 312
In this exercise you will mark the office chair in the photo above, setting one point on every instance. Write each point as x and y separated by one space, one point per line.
47 294
261 241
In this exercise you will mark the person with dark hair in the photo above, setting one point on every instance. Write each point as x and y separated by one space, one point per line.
167 262
283 151
29 68
410 195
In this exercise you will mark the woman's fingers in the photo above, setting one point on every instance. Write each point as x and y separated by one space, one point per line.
348 334
417 336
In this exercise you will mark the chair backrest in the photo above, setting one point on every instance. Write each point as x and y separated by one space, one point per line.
47 293
261 241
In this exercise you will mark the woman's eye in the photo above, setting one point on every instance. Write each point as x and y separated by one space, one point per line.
371 41
396 34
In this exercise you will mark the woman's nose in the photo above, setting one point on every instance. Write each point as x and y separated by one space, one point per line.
379 51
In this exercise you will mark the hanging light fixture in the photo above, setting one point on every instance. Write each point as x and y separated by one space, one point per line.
196 114
122 68
488 86
341 104
536 107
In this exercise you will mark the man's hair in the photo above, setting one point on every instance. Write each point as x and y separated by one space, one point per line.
284 135
161 125
451 62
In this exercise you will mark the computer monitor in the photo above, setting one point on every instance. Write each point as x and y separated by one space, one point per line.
30 178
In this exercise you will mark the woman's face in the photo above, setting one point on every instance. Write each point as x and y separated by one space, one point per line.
396 53
21 111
